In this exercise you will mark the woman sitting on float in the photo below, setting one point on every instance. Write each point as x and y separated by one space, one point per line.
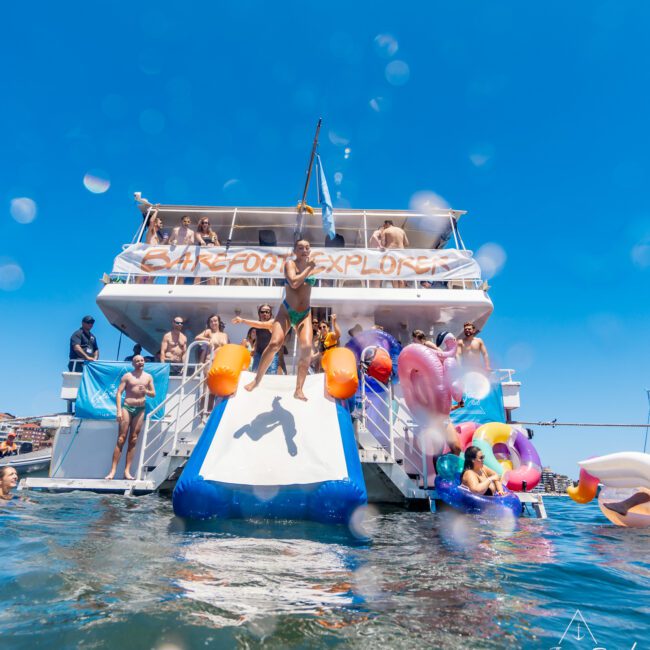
295 311
477 477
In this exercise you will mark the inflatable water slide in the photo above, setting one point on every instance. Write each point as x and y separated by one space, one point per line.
266 454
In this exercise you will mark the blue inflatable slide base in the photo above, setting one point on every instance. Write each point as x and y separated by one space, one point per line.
258 452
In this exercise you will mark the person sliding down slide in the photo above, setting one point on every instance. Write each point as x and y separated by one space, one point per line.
295 311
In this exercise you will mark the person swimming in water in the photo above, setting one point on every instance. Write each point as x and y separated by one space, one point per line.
295 311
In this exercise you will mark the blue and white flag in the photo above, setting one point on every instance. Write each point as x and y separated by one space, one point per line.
325 201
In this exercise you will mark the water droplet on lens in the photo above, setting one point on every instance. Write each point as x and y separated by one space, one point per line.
23 209
397 73
338 178
152 121
96 181
386 45
11 276
491 258
347 152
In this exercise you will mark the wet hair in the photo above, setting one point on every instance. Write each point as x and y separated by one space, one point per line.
210 317
470 456
388 222
4 470
419 335
298 241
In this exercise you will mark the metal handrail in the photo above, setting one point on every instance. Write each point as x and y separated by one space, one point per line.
180 392
392 421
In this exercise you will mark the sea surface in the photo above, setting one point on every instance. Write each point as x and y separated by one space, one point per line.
89 571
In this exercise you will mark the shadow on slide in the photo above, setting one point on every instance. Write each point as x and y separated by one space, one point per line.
264 423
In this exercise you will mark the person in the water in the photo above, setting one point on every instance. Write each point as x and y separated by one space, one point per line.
8 482
295 311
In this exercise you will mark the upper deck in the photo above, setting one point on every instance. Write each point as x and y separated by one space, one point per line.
434 283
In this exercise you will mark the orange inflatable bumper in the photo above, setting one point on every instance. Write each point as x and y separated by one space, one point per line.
229 361
340 366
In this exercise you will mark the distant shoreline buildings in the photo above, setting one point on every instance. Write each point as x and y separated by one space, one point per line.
552 482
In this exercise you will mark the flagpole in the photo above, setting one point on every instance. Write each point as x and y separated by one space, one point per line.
301 207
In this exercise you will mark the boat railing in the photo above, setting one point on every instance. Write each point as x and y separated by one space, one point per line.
182 403
504 375
264 281
399 439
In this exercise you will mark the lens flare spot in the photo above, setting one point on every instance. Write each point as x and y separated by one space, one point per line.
520 356
426 202
152 121
338 139
481 155
23 209
360 519
230 183
640 255
97 181
265 492
346 153
379 104
476 385
386 45
366 583
397 73
491 258
338 178
11 276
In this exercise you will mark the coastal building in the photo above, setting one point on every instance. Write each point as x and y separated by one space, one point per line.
552 482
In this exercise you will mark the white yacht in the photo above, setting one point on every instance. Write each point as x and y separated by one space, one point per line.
435 284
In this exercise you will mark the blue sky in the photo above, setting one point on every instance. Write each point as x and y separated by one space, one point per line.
533 117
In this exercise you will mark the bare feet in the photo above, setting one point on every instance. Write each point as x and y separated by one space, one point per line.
128 477
251 386
617 507
109 476
299 395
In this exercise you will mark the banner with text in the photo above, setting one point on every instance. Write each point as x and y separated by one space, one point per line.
331 263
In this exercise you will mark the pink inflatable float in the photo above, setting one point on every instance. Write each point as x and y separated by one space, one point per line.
426 381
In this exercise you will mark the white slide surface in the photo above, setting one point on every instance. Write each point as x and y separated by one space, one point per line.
268 438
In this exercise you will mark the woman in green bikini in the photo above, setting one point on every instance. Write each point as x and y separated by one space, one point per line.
295 311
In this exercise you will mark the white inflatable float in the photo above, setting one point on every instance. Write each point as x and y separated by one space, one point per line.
625 497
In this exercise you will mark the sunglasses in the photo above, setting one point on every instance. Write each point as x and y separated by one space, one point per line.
265 311
480 458
178 322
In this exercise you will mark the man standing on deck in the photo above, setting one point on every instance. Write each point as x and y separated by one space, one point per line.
184 235
83 345
174 346
471 351
138 385
393 236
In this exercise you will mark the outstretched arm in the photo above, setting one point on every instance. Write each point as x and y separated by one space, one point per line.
259 324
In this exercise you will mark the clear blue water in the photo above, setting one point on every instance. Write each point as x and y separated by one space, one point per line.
119 572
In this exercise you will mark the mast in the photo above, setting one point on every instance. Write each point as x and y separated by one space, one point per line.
297 233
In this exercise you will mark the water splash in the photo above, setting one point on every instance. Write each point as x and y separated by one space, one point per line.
23 209
338 139
379 104
476 385
346 153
